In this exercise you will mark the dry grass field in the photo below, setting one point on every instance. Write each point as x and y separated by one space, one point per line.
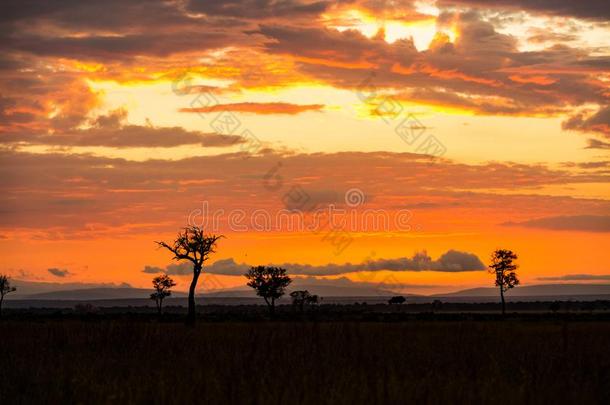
146 361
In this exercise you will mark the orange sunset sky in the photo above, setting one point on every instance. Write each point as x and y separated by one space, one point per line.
453 127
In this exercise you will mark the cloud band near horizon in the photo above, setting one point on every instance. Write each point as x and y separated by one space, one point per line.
450 261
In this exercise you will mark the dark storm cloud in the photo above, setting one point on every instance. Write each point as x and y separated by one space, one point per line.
259 9
107 14
112 31
451 261
347 46
590 9
111 48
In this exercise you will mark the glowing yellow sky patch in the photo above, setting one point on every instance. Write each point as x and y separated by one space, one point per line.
346 123
422 31
87 67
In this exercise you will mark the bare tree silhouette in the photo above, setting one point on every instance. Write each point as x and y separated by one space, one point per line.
194 245
5 288
503 266
300 298
162 285
269 283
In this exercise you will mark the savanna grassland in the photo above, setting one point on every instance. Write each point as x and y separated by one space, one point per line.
141 360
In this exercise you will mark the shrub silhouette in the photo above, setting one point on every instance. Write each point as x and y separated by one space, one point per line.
194 245
162 285
85 308
300 298
399 299
269 283
503 267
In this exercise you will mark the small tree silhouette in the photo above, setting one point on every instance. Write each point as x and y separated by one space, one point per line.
269 283
162 285
85 309
399 299
5 288
300 298
437 305
194 245
313 299
503 266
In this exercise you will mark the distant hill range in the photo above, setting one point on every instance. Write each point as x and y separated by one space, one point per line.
32 291
539 290
101 293
125 292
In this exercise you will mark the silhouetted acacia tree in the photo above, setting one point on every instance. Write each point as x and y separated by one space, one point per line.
162 285
300 298
194 245
503 266
399 299
5 288
269 283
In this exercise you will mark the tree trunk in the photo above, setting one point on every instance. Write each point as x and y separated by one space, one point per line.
191 316
159 304
272 307
1 300
503 303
